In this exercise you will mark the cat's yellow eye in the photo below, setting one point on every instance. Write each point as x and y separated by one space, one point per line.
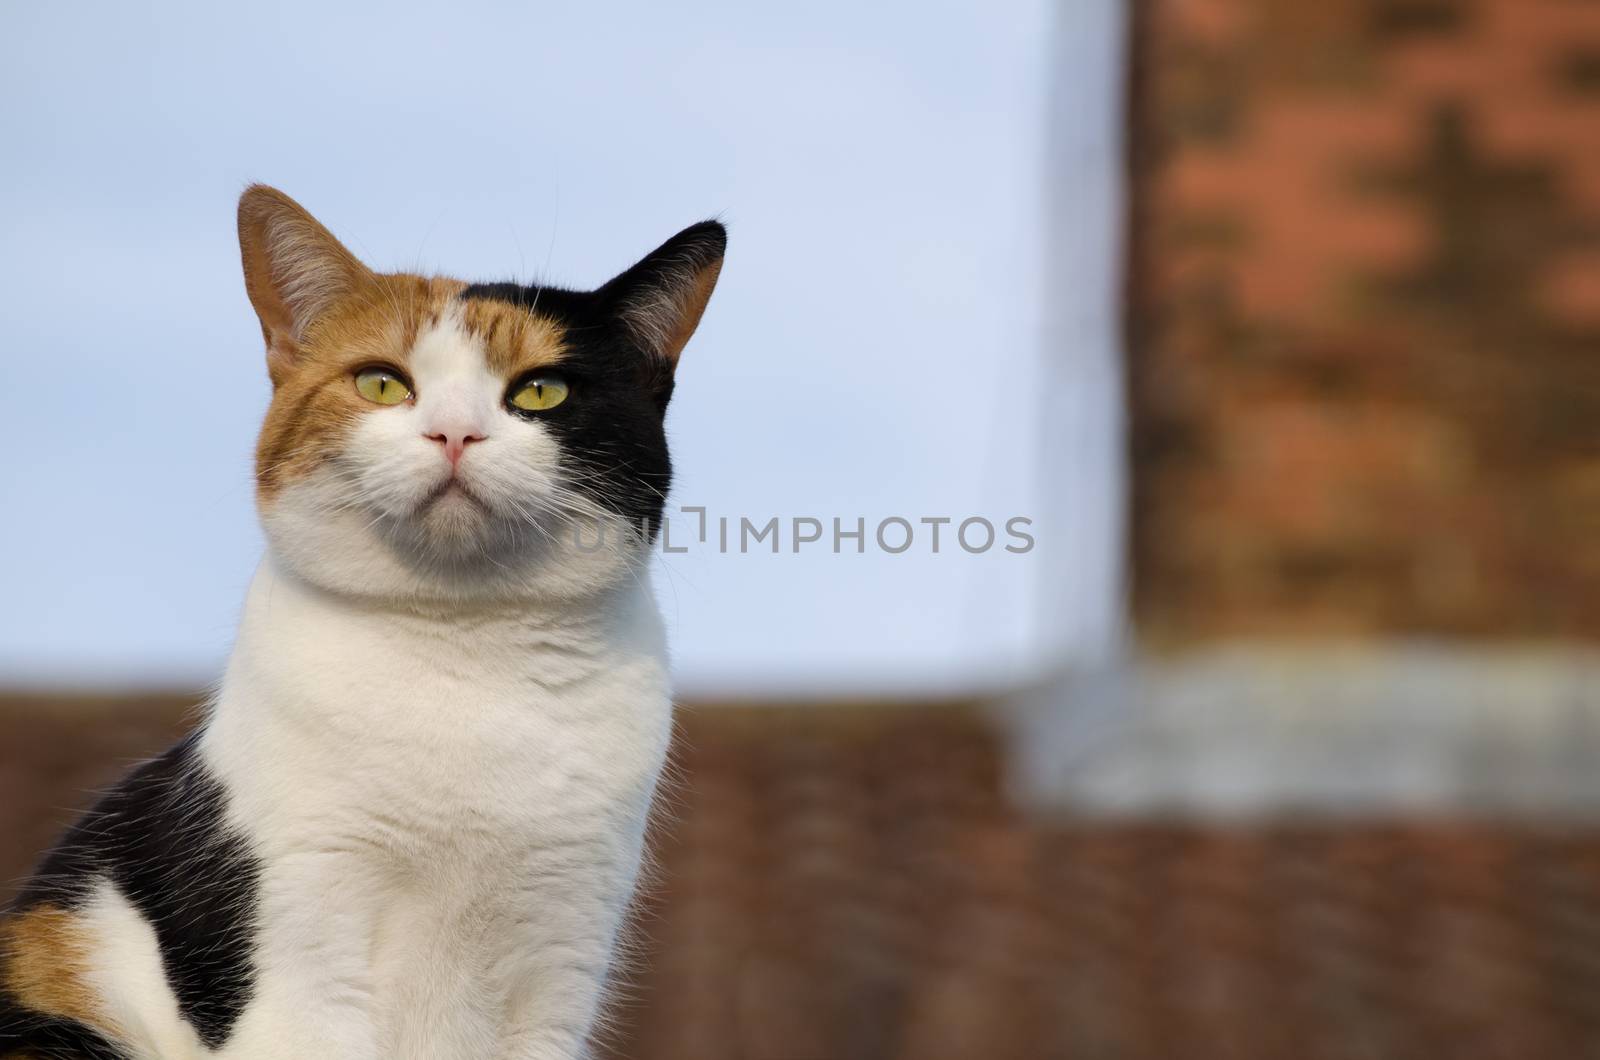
539 393
381 386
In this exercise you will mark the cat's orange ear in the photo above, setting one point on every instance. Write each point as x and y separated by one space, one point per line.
660 300
294 270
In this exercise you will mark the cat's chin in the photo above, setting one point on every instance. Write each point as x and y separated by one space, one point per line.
456 518
456 547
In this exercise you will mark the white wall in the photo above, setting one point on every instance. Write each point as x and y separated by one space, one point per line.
873 349
1082 494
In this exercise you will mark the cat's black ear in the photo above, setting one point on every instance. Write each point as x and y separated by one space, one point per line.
294 269
659 301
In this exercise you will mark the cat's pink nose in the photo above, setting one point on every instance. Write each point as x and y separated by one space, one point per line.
455 442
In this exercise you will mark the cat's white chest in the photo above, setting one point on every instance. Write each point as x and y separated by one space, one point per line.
453 839
482 878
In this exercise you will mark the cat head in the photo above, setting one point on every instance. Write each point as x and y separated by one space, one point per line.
431 438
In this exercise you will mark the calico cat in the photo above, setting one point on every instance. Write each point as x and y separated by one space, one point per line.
413 816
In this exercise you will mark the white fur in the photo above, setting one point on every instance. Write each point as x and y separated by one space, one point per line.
125 974
440 732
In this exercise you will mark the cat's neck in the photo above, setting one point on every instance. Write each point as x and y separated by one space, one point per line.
298 640
596 611
332 706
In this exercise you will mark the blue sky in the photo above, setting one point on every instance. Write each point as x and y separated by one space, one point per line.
873 349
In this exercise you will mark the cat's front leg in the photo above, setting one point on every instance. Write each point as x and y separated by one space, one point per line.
566 934
555 1005
292 1022
314 993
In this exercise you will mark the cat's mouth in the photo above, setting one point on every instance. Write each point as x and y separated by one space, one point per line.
452 491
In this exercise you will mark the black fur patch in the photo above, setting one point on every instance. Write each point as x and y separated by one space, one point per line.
161 836
24 1033
613 444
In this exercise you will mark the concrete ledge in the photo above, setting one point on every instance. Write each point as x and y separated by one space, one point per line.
1253 729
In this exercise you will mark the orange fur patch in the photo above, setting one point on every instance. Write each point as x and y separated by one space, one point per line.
44 957
515 341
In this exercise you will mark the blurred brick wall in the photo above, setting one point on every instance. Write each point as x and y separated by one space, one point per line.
1365 318
854 884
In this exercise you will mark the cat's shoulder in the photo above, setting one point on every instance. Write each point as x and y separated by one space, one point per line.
155 857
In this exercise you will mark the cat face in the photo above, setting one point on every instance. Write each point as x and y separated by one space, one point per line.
437 439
